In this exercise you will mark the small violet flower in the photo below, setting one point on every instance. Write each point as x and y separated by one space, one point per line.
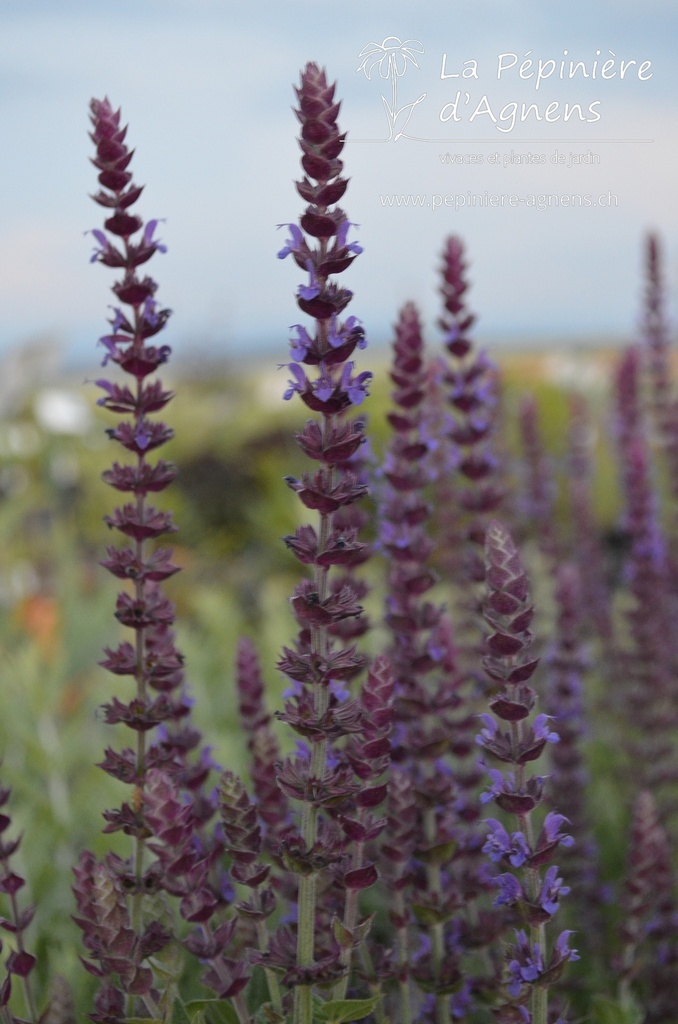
541 730
551 829
510 890
551 890
500 844
312 289
291 244
342 232
300 347
526 966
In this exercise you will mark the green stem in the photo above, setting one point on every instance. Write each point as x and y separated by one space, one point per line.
539 996
25 982
375 987
320 647
140 677
271 977
240 1007
533 882
350 919
403 960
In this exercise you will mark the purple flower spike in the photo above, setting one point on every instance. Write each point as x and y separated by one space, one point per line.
164 764
336 811
508 612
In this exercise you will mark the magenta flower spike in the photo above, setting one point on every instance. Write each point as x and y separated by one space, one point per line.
647 652
159 764
649 881
324 377
432 702
655 332
568 667
585 540
539 489
471 378
514 739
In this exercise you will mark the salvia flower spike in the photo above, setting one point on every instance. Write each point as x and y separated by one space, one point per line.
514 738
158 712
323 375
472 394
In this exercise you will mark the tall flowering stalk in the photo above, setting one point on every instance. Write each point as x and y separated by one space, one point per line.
567 669
472 394
649 659
323 375
110 896
585 535
655 334
422 707
262 743
648 887
510 738
540 490
655 345
433 720
405 543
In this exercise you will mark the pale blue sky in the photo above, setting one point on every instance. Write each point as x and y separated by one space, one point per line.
206 86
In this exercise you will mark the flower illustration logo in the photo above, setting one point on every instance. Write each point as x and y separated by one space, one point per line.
391 57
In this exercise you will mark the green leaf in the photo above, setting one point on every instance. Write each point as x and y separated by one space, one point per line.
216 1011
343 1011
257 989
179 1014
609 1011
343 935
430 915
437 854
169 962
267 1014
